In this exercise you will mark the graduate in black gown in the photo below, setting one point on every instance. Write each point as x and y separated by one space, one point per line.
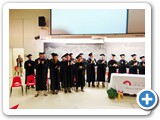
84 62
142 65
80 78
113 65
54 65
101 70
29 68
83 59
47 62
67 67
62 70
41 67
91 62
122 64
133 65
73 68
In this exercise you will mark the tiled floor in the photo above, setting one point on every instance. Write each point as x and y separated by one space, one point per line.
92 98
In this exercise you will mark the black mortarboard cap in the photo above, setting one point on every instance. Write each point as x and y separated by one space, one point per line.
133 55
29 55
41 53
102 55
54 54
80 53
113 55
78 56
142 57
122 55
90 54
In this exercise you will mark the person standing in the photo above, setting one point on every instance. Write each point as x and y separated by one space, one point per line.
122 64
133 65
80 78
67 70
54 65
83 59
41 67
47 62
73 68
91 62
84 62
62 70
29 68
19 61
142 65
101 70
113 65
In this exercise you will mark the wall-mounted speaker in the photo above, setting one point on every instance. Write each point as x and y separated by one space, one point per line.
41 21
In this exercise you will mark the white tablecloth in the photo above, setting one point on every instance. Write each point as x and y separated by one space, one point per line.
128 83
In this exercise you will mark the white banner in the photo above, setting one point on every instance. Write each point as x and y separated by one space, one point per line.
128 83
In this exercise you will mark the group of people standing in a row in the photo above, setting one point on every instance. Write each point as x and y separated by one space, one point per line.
70 72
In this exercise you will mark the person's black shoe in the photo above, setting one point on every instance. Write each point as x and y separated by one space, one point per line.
69 91
93 85
103 85
36 95
88 85
65 91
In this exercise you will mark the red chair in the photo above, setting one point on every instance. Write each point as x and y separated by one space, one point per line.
15 107
16 83
30 81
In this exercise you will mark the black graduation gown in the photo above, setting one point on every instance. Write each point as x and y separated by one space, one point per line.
29 70
54 75
101 70
112 69
73 67
141 68
133 69
67 74
80 77
41 74
84 61
70 75
91 70
122 66
47 64
85 65
63 72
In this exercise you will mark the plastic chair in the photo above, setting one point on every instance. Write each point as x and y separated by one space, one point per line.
16 83
15 107
30 81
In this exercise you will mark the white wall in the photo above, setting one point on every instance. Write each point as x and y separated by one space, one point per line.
10 62
24 27
136 21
